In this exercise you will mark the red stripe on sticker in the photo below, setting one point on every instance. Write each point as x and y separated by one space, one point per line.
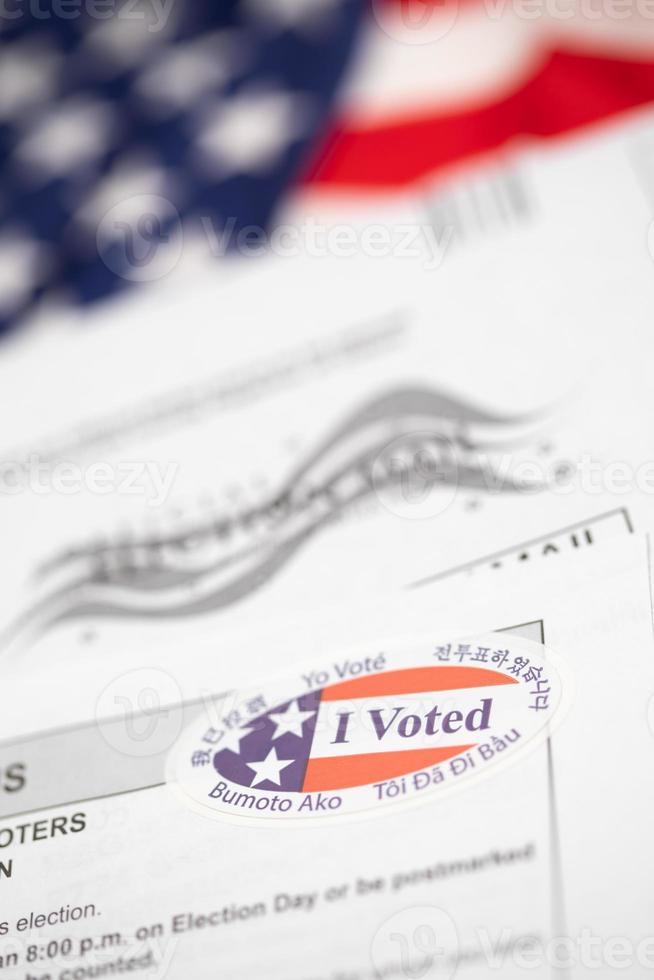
349 771
415 680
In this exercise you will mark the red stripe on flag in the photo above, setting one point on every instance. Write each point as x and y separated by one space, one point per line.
415 680
348 771
571 91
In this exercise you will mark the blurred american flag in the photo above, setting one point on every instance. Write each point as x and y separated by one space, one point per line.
167 112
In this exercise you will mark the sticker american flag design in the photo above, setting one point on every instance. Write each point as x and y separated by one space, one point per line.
360 731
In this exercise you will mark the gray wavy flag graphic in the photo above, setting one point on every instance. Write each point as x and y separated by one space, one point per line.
207 568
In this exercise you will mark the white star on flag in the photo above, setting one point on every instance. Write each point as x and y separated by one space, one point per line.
74 134
21 257
290 721
181 74
247 133
269 768
293 14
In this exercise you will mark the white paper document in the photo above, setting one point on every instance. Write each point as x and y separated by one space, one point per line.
331 428
326 638
432 806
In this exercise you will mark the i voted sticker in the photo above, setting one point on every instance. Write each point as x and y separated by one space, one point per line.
363 734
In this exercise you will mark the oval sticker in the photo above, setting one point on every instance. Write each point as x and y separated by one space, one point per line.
365 733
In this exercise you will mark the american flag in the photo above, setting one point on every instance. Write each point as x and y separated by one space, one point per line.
162 113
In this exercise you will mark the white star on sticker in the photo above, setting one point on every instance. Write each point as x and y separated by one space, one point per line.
295 14
268 769
291 720
247 133
231 740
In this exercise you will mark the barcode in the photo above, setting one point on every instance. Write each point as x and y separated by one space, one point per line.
482 206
